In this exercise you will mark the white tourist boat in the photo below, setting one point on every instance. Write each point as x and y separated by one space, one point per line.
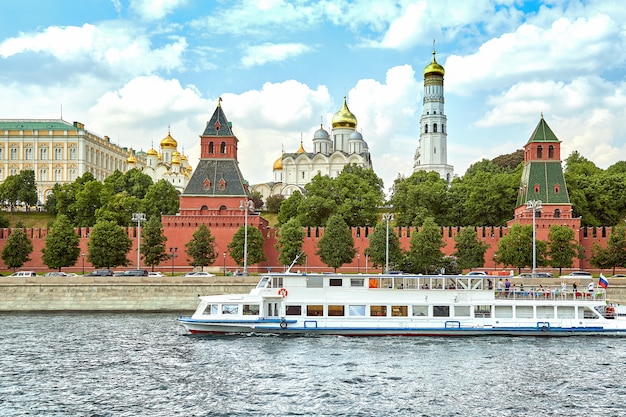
403 305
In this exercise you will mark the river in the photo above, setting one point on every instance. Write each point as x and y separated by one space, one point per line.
145 365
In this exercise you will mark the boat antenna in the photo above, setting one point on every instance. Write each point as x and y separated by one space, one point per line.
294 262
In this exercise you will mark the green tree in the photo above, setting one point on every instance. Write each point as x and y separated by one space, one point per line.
88 200
516 248
377 249
62 244
562 247
336 246
120 209
161 199
201 248
254 248
289 207
257 199
469 250
153 242
422 195
290 239
274 202
616 248
17 249
108 245
425 254
9 190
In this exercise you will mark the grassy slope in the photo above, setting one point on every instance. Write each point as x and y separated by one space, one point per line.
29 219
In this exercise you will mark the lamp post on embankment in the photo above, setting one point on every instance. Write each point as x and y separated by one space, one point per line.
139 217
387 217
534 205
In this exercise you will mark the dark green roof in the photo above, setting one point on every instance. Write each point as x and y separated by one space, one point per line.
216 170
218 120
543 133
35 124
549 176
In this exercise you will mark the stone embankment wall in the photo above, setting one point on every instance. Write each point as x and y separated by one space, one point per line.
167 294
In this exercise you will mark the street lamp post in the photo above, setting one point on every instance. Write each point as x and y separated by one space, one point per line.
358 263
387 217
366 256
495 261
534 205
83 255
173 255
139 217
245 205
224 263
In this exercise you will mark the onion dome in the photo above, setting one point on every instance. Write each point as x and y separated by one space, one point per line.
434 68
320 133
300 149
278 164
176 160
168 142
176 153
152 152
344 117
355 136
183 158
131 158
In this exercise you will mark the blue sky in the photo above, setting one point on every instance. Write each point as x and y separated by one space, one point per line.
131 68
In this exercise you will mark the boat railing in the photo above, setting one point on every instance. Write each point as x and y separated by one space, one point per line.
551 294
428 282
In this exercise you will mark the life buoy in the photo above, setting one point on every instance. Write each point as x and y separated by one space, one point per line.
283 324
609 311
283 292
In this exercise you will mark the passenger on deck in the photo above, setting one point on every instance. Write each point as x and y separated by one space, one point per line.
489 284
590 286
507 287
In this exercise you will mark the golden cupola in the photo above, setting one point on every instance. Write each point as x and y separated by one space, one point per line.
176 159
152 152
278 164
131 158
344 117
169 142
434 68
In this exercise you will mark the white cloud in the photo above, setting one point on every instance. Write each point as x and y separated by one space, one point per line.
262 54
155 9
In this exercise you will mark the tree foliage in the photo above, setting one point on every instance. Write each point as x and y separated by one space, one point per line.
516 248
469 250
336 246
614 255
62 245
425 254
108 245
274 203
290 239
255 244
19 188
17 249
201 248
562 247
377 249
161 199
153 242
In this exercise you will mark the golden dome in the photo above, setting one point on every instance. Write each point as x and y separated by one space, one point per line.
152 152
344 117
183 157
175 160
169 142
300 149
131 157
176 153
434 68
278 164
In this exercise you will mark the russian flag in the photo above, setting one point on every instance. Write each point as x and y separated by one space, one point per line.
603 281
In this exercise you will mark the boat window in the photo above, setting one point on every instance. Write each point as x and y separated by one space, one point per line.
293 310
565 312
251 309
482 311
230 309
314 310
357 282
399 311
314 282
374 283
441 311
263 282
545 312
335 310
421 311
586 313
462 311
524 312
378 311
356 310
210 309
335 282
277 282
503 312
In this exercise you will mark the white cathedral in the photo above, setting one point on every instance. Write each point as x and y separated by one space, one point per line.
331 153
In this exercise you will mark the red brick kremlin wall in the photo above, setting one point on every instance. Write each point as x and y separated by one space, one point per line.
179 230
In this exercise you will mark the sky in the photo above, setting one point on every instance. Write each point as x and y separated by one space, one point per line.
134 69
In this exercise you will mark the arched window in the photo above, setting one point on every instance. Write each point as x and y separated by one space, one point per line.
557 189
435 127
223 147
557 213
539 152
210 147
426 128
443 128
537 189
550 151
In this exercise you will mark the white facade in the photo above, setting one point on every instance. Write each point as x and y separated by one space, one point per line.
432 152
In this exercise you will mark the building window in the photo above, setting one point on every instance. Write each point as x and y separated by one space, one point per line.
557 213
557 189
550 151
58 175
1 153
43 175
223 148
13 153
210 147
28 153
58 154
435 128
537 189
426 128
443 128
72 174
539 152
73 153
43 154
1 176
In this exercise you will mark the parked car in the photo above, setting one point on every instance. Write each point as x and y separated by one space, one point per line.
577 274
155 274
20 274
480 273
618 276
198 275
136 273
55 274
101 273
